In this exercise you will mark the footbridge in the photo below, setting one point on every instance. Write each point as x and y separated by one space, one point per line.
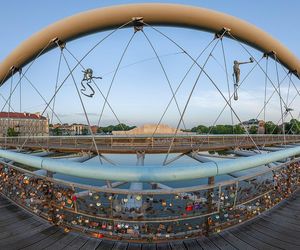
197 191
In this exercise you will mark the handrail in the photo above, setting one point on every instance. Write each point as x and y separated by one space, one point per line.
151 191
149 173
147 136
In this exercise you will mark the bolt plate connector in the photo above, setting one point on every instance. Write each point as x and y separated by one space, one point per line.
271 53
14 69
222 32
58 42
138 23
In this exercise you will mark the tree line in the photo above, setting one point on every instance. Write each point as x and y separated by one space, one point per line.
291 127
118 127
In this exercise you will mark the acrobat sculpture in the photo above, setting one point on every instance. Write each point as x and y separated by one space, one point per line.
236 75
87 78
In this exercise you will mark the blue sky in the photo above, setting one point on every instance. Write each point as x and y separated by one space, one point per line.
140 92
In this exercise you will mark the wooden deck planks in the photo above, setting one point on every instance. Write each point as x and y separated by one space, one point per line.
106 245
63 242
91 244
234 241
276 229
192 245
207 244
163 246
39 236
221 243
120 245
77 243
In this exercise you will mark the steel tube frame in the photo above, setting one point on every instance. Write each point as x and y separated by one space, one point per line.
102 19
149 173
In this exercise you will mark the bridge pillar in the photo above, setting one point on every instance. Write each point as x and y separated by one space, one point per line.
49 174
211 181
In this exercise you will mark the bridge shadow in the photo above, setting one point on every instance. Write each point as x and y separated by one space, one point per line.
279 228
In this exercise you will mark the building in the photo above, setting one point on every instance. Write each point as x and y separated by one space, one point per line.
94 129
259 125
66 129
149 129
23 124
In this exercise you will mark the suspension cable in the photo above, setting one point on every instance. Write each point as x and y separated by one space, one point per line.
227 104
9 105
79 61
288 93
180 84
5 100
143 60
279 93
296 91
269 99
187 102
43 98
32 62
265 104
114 76
186 74
7 73
56 83
87 119
101 93
217 61
20 94
228 87
166 76
266 83
206 74
83 108
10 91
263 72
69 74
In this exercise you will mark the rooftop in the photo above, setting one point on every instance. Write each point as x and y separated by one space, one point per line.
24 115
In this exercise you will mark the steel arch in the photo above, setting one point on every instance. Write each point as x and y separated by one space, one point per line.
155 14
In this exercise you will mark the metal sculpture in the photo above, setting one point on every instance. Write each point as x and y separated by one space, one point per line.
87 79
236 75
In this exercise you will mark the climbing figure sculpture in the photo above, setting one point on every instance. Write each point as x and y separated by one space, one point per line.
236 75
87 78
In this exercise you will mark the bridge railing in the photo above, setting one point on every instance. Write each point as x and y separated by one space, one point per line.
152 214
132 143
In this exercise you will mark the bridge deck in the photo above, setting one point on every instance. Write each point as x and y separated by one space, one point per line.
131 145
277 229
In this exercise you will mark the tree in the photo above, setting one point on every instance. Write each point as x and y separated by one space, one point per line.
85 131
293 127
218 129
239 129
201 129
56 131
253 130
11 132
118 127
271 128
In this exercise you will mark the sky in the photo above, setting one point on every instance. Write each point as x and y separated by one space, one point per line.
140 90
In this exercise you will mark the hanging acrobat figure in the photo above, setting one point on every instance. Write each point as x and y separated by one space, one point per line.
87 78
236 75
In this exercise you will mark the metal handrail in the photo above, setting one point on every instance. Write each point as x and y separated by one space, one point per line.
149 173
151 191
